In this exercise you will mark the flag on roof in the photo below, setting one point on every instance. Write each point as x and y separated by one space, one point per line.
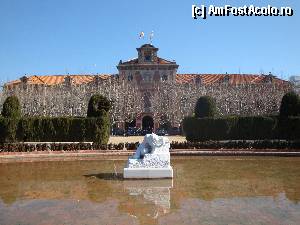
141 35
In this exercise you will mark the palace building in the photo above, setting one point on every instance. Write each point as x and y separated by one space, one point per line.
147 91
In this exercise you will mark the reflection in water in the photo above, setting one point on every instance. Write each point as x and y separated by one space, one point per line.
155 191
205 190
246 210
106 176
40 212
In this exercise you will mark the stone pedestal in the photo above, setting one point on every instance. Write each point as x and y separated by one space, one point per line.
151 165
148 173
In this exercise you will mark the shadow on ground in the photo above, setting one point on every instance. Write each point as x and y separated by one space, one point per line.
106 176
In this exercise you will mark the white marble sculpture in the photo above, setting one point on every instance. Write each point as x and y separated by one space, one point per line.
151 159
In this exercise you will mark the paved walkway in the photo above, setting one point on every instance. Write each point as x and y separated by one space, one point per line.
123 154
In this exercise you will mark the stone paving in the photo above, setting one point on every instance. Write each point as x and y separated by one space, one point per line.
7 157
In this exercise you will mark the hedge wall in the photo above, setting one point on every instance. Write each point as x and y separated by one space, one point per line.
240 145
57 129
8 128
289 128
241 128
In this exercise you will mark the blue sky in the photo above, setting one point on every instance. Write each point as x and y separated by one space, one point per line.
91 36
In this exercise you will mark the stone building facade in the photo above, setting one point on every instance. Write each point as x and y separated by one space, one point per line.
145 72
147 91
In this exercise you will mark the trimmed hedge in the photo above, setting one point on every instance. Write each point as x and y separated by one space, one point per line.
289 128
98 106
253 128
279 145
239 144
241 128
11 108
205 107
200 129
57 129
290 105
8 128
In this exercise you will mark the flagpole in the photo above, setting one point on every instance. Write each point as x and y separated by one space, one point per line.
151 37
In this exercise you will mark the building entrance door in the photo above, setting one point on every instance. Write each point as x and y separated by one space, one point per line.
147 123
130 124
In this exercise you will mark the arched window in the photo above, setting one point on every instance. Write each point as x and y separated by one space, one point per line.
164 77
68 80
147 55
130 77
226 79
146 77
269 78
138 77
147 102
97 80
198 80
156 76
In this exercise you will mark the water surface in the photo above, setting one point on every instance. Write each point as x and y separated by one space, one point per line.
205 190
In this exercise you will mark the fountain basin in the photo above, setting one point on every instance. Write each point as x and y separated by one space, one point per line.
148 173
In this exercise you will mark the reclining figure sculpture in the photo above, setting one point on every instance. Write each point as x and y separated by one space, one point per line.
151 142
151 159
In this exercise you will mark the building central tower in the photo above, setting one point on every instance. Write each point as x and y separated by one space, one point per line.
145 71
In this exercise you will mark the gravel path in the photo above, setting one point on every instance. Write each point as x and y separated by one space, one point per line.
121 139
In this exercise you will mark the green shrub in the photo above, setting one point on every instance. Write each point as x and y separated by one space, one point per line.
254 146
37 129
90 129
224 126
205 107
76 129
11 108
103 132
190 129
2 129
48 130
97 130
263 127
25 130
98 106
61 126
242 129
290 105
9 128
254 128
289 128
200 129
11 112
229 128
57 129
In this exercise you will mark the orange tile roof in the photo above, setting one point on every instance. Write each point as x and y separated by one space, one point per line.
58 79
234 79
206 79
